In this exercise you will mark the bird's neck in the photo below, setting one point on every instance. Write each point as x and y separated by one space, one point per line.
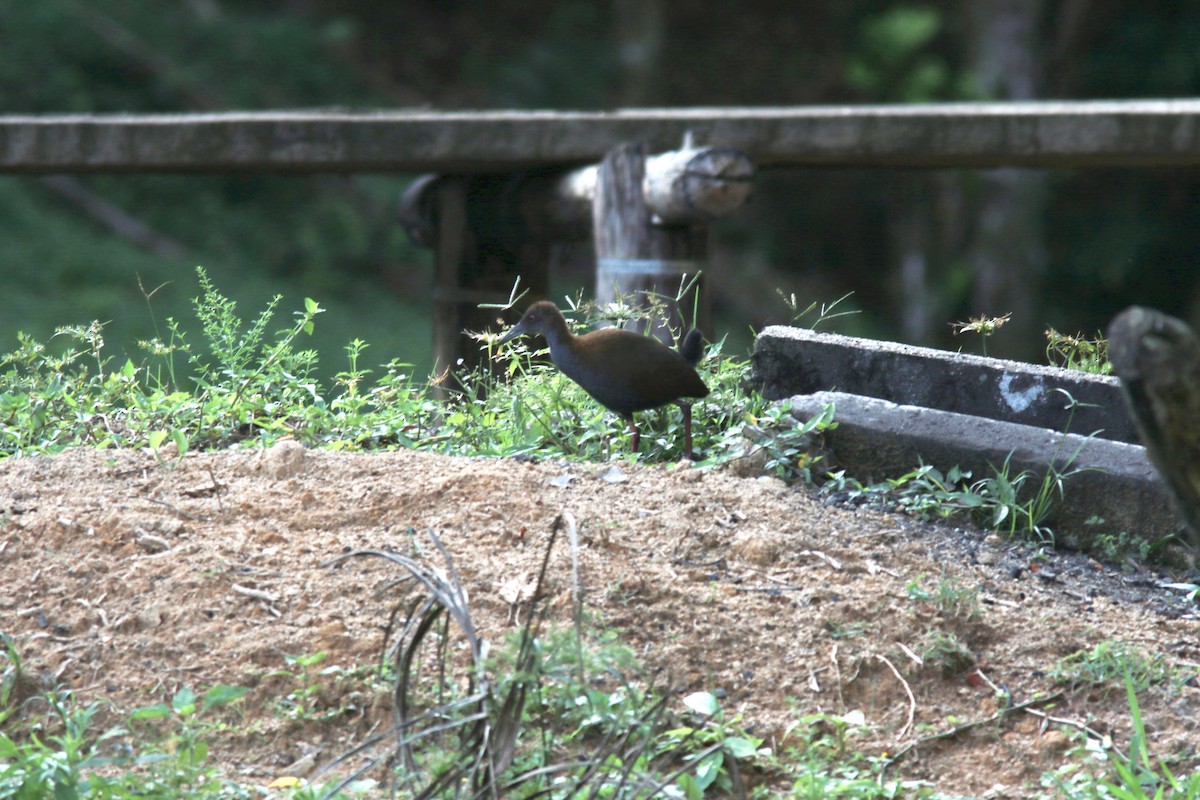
560 339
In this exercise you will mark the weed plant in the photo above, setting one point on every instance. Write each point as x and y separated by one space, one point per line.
243 383
1111 662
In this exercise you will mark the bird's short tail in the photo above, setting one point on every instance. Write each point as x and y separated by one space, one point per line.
691 347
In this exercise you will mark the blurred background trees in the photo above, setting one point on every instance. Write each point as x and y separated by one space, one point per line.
919 249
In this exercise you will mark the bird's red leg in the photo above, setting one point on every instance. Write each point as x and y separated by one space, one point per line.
637 437
687 430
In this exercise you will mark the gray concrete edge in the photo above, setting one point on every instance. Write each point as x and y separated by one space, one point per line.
789 361
1113 481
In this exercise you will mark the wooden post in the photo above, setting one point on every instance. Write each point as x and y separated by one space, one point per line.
648 217
634 257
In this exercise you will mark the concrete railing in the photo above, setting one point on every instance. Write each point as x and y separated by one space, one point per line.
1137 133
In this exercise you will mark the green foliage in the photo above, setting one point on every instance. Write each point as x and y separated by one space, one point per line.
252 384
948 598
985 327
1110 661
307 234
10 677
945 651
792 448
1121 545
825 763
163 754
1135 776
708 743
180 757
894 61
59 763
1000 501
1078 352
319 694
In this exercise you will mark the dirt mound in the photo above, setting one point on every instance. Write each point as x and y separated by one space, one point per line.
124 578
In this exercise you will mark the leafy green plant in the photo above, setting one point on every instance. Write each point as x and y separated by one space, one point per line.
792 448
944 651
1000 501
985 327
62 763
1107 662
948 598
10 678
821 756
1078 352
711 744
1119 546
1135 776
303 702
181 758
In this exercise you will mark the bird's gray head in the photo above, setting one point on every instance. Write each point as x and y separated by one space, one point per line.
541 317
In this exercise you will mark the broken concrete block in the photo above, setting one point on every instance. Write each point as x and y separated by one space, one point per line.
789 361
1110 481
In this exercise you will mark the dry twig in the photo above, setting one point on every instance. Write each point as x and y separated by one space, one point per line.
912 701
955 731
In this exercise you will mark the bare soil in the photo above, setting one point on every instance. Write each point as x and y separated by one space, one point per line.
124 578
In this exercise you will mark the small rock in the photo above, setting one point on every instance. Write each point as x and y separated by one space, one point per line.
562 481
304 764
614 475
772 483
987 557
149 542
1053 742
284 459
756 548
150 617
752 462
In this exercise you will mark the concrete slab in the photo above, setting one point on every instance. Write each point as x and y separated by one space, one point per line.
789 361
1114 481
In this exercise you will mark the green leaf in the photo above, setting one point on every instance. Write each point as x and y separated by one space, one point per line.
221 694
691 790
184 701
702 703
156 439
740 747
159 711
709 769
65 791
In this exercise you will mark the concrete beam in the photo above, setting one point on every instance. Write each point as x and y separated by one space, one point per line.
1113 481
789 361
1061 135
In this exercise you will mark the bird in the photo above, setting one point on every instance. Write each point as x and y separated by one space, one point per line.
622 370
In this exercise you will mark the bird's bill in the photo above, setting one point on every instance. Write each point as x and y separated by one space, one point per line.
513 332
